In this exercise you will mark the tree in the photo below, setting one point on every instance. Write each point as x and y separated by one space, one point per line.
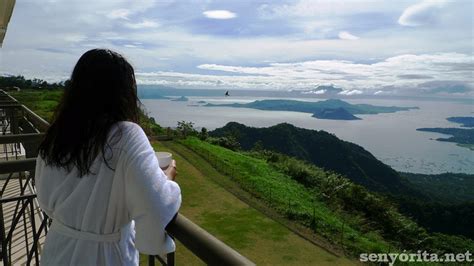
204 134
258 146
186 128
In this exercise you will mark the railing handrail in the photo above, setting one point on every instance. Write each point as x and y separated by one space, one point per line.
204 245
7 95
36 119
15 166
29 137
10 105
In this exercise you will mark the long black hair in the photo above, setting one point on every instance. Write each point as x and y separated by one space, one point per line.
102 91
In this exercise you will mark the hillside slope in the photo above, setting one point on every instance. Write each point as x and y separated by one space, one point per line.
324 150
345 214
449 188
261 239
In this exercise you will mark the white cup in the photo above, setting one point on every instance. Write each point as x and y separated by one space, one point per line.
164 159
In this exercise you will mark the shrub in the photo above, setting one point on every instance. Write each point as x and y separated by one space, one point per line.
227 142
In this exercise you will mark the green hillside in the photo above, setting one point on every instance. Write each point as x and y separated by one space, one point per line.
448 187
345 214
425 201
324 150
285 195
42 102
208 202
451 206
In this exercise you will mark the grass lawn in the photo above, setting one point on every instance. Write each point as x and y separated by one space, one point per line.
41 102
245 229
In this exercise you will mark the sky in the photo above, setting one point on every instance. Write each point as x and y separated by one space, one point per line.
369 47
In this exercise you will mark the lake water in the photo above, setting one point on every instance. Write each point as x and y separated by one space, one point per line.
392 138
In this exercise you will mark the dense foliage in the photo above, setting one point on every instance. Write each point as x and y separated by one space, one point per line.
227 142
448 187
453 219
186 129
450 208
25 84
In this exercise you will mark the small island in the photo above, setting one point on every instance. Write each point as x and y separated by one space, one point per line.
463 137
335 114
465 121
322 109
180 99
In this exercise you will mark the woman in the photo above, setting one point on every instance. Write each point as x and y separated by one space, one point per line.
97 176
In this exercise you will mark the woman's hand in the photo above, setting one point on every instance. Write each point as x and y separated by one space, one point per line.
170 171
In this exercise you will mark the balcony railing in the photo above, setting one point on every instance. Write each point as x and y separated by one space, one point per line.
21 219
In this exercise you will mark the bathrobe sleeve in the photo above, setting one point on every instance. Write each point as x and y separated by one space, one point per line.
152 200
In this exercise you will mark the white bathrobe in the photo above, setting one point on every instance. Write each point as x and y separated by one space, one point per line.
95 217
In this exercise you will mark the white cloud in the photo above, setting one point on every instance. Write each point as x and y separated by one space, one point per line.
219 14
355 78
141 25
314 92
344 35
351 92
422 13
74 38
119 14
